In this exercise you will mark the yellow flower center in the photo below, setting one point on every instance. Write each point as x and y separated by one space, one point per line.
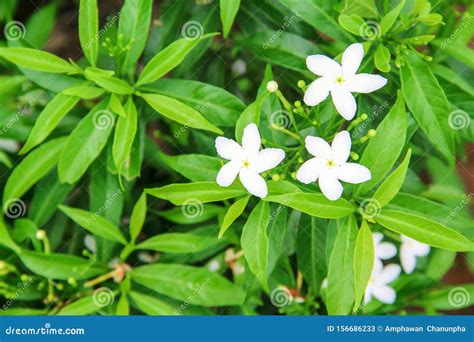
340 80
245 163
330 163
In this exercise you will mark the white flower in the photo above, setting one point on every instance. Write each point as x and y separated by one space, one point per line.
330 165
340 80
247 161
382 250
378 283
409 250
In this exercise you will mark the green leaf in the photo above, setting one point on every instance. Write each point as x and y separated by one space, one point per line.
195 167
168 59
215 104
41 24
424 230
81 307
251 114
89 29
125 131
191 214
382 58
85 92
32 168
389 19
203 192
363 8
123 307
428 104
135 17
178 243
116 106
314 204
151 305
60 266
36 60
48 119
85 143
316 15
352 23
391 186
255 243
181 282
137 219
234 211
363 262
340 290
455 297
228 11
383 150
179 112
5 238
108 82
5 159
94 223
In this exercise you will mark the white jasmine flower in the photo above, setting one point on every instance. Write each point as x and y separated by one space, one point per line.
409 251
330 165
9 145
272 86
382 250
340 80
247 161
378 283
90 243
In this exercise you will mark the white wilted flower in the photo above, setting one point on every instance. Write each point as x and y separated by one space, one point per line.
340 80
330 165
382 250
378 284
409 251
247 161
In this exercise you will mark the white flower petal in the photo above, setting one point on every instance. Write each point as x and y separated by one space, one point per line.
228 148
368 294
390 273
377 236
267 159
353 173
385 250
351 59
421 249
330 186
253 182
310 170
384 294
323 66
407 258
344 102
364 83
378 267
341 147
251 140
318 147
317 92
228 173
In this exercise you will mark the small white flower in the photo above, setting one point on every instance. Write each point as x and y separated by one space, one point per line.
340 80
272 86
378 283
409 251
90 243
382 250
247 161
330 165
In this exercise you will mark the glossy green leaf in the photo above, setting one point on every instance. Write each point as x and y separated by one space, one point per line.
352 23
251 114
228 11
389 19
151 305
36 60
179 112
108 82
137 219
382 58
234 211
363 262
391 186
177 243
89 29
32 168
116 106
84 306
48 119
195 167
125 131
5 238
424 230
94 223
85 92
181 282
